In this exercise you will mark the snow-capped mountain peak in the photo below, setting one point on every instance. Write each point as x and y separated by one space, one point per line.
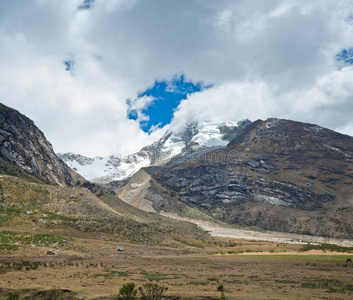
196 135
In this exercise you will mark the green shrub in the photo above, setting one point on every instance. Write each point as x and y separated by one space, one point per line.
348 287
220 289
153 276
152 291
310 285
198 283
9 238
13 297
212 279
128 292
8 247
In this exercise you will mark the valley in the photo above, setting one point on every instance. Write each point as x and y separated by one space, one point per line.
52 250
176 150
240 208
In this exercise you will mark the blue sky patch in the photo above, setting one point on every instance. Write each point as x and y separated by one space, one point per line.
87 4
155 106
69 65
345 57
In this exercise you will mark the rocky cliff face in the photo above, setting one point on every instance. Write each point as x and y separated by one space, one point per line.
276 174
22 143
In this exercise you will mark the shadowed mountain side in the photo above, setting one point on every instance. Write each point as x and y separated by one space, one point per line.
276 174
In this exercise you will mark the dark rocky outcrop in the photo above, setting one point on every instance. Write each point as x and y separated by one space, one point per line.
22 143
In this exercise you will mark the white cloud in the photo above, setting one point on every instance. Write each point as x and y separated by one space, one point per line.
138 104
328 102
266 58
229 101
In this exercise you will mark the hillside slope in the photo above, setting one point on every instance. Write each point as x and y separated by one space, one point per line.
277 175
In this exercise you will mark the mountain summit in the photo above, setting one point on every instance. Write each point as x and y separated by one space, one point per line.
194 139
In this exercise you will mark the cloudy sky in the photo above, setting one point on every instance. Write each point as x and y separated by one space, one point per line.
106 76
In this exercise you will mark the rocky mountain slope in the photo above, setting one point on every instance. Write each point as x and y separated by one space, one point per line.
145 193
194 139
22 143
276 174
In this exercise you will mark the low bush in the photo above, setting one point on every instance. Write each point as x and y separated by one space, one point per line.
128 292
152 291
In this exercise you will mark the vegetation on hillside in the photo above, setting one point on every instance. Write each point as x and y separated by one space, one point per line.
327 247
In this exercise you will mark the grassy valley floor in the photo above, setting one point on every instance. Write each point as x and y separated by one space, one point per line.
92 268
62 243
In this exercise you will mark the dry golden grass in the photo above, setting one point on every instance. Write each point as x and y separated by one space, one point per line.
92 268
191 266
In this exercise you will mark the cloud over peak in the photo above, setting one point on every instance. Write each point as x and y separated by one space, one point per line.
259 59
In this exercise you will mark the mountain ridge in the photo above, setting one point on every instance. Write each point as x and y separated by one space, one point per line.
195 137
276 174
